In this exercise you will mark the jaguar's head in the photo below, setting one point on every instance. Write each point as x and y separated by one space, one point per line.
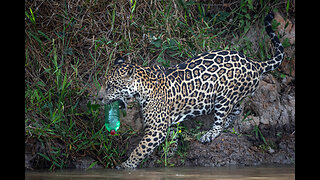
119 83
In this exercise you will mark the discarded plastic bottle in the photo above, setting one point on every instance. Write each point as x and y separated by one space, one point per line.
112 117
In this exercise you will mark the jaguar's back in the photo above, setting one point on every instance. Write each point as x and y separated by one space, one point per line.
210 81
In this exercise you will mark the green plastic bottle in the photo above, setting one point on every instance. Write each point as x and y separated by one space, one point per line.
112 117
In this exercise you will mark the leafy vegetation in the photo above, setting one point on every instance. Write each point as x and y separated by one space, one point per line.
69 46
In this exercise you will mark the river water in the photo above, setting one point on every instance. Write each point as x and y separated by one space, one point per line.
192 173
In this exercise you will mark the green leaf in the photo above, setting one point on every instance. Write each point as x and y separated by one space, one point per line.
35 37
274 24
247 16
113 17
288 5
286 43
44 156
44 35
282 76
40 83
64 83
157 43
250 4
68 51
30 17
92 164
95 106
89 105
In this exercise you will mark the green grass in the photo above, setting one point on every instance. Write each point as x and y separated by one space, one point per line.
54 118
167 147
69 46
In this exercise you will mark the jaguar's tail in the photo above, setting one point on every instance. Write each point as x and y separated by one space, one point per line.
273 63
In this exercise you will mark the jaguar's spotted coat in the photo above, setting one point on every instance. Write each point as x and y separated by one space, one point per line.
213 82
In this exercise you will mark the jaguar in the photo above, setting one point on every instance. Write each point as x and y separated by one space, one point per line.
213 82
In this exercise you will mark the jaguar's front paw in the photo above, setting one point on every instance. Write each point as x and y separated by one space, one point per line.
119 167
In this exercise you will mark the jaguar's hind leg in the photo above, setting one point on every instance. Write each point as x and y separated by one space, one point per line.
216 128
212 133
233 115
221 113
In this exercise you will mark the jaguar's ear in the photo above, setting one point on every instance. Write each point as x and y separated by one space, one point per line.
119 60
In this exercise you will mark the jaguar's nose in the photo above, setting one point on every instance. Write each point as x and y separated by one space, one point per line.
100 97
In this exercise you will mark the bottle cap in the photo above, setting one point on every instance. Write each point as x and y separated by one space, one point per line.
112 132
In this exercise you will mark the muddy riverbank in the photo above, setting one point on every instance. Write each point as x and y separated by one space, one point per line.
254 139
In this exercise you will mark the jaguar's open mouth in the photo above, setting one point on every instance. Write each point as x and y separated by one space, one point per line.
122 104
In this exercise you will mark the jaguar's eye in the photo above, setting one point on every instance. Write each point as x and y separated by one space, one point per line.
109 87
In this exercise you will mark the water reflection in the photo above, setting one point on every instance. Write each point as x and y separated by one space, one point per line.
198 173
